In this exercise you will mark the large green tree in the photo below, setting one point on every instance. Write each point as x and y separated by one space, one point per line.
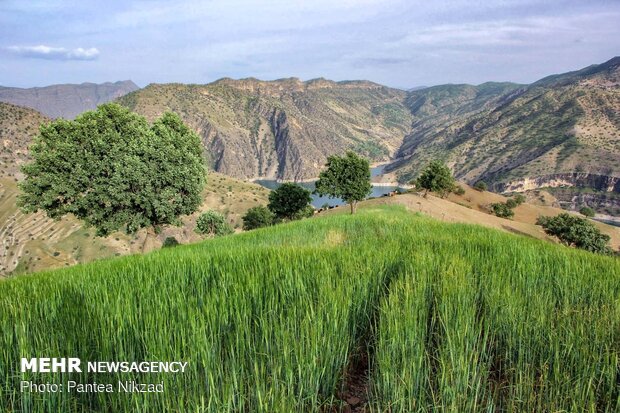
112 170
436 177
346 177
289 200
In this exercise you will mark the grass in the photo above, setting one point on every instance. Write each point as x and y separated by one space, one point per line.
457 318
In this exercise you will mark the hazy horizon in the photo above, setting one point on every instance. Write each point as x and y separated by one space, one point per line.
398 43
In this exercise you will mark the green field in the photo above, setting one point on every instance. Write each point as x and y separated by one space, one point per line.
453 318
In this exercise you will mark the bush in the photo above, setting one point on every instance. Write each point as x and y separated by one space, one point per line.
511 203
214 224
575 231
306 212
502 210
170 242
587 211
257 217
459 190
480 186
519 198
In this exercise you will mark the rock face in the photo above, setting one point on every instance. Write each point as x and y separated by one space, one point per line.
602 183
283 129
66 101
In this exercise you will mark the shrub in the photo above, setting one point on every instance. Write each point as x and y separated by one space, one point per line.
587 211
257 217
502 210
459 190
288 200
519 198
170 242
213 223
511 203
480 186
577 232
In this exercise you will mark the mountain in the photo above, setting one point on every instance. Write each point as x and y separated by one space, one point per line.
66 101
562 127
283 129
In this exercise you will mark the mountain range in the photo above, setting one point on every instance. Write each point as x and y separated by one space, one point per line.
66 101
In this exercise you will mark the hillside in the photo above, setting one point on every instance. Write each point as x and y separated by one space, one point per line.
68 100
384 310
32 242
283 129
562 130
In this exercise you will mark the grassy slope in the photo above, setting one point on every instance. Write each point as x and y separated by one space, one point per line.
462 318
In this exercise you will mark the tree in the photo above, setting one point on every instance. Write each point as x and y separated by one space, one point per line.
257 217
112 170
437 177
502 210
587 212
575 231
214 224
288 200
480 186
519 198
511 203
346 177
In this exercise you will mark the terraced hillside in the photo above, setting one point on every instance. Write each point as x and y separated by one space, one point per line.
283 129
382 311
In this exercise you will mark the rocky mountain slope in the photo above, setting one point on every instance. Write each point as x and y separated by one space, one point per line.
550 133
66 101
283 129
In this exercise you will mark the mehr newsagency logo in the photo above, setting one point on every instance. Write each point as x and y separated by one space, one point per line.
75 365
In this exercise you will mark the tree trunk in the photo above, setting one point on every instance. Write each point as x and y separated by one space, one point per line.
352 207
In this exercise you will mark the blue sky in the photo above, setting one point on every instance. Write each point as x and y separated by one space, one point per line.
401 43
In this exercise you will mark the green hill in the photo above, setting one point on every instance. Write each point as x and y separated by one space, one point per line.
311 315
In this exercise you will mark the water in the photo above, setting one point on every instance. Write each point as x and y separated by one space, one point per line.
319 201
608 222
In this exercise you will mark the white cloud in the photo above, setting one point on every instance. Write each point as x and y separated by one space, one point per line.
55 53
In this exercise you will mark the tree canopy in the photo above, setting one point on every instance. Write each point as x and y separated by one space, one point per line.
257 217
289 200
112 170
212 223
575 231
436 177
346 177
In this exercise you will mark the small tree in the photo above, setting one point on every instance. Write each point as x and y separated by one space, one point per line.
587 212
112 170
575 231
437 177
502 210
288 200
459 190
214 224
480 186
519 198
511 203
257 217
346 177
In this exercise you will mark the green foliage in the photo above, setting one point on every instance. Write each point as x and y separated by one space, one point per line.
170 242
480 186
257 217
502 210
459 190
305 212
587 211
111 170
346 177
519 199
437 177
288 200
269 320
511 203
212 223
577 232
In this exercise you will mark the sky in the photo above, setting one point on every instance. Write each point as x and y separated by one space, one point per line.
399 43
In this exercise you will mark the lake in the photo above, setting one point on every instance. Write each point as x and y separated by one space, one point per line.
319 201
